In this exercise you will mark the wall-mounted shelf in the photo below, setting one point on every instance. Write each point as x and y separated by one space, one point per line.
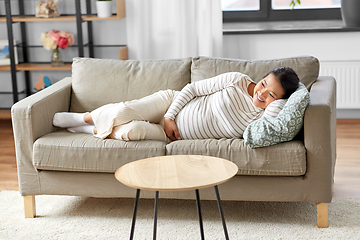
5 114
78 17
120 14
5 68
41 67
36 67
36 19
61 18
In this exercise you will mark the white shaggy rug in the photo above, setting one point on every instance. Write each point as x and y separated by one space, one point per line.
68 217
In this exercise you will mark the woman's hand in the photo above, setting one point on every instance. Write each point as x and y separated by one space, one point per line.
171 129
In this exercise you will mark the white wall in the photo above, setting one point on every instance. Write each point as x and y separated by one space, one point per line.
327 47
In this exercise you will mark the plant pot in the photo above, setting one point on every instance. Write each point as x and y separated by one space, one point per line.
350 12
104 9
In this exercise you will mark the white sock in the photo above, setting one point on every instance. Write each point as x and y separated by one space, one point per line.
89 129
69 119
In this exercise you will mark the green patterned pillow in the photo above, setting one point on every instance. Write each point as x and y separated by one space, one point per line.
268 131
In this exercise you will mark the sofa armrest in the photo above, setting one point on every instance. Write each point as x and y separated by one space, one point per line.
31 119
320 135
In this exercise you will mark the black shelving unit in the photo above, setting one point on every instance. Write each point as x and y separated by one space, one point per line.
21 18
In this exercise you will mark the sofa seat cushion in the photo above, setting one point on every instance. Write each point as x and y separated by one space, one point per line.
65 151
284 159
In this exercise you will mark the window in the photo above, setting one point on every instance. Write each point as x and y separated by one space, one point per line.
306 4
277 10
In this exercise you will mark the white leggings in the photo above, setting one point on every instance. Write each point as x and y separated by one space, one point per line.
138 119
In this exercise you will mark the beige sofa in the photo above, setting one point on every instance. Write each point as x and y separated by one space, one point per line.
53 161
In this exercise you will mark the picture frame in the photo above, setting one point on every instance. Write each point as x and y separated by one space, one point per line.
5 53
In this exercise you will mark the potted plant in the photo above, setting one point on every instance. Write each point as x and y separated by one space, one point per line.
350 12
104 8
293 3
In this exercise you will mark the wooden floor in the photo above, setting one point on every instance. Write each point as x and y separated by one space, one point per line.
8 170
347 171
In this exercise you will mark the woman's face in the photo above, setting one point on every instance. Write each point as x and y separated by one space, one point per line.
267 90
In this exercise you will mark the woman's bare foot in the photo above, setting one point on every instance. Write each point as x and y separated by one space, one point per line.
88 119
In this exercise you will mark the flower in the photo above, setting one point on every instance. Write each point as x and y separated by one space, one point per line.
63 43
55 38
48 43
68 36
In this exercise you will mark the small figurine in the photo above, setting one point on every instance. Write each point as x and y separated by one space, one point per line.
47 9
42 83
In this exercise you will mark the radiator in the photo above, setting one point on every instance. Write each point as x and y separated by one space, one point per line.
347 75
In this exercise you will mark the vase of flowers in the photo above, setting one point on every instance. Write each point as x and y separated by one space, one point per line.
55 39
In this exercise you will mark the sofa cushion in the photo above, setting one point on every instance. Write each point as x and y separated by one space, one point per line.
267 130
96 82
65 151
306 67
284 159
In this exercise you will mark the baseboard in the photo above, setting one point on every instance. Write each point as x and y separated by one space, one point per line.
348 113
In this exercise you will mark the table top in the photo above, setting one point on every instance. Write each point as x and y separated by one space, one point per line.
176 172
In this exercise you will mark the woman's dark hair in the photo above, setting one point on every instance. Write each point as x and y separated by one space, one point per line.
288 78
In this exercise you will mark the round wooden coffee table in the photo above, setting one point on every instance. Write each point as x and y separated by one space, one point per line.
176 173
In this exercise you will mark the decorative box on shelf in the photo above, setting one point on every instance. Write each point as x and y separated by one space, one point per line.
47 9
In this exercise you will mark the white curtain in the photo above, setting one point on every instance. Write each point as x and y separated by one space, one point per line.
167 29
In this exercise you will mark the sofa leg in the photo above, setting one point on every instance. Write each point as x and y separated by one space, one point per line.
322 215
29 206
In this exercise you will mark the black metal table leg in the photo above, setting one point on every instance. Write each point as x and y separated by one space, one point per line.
221 212
155 214
199 213
134 215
